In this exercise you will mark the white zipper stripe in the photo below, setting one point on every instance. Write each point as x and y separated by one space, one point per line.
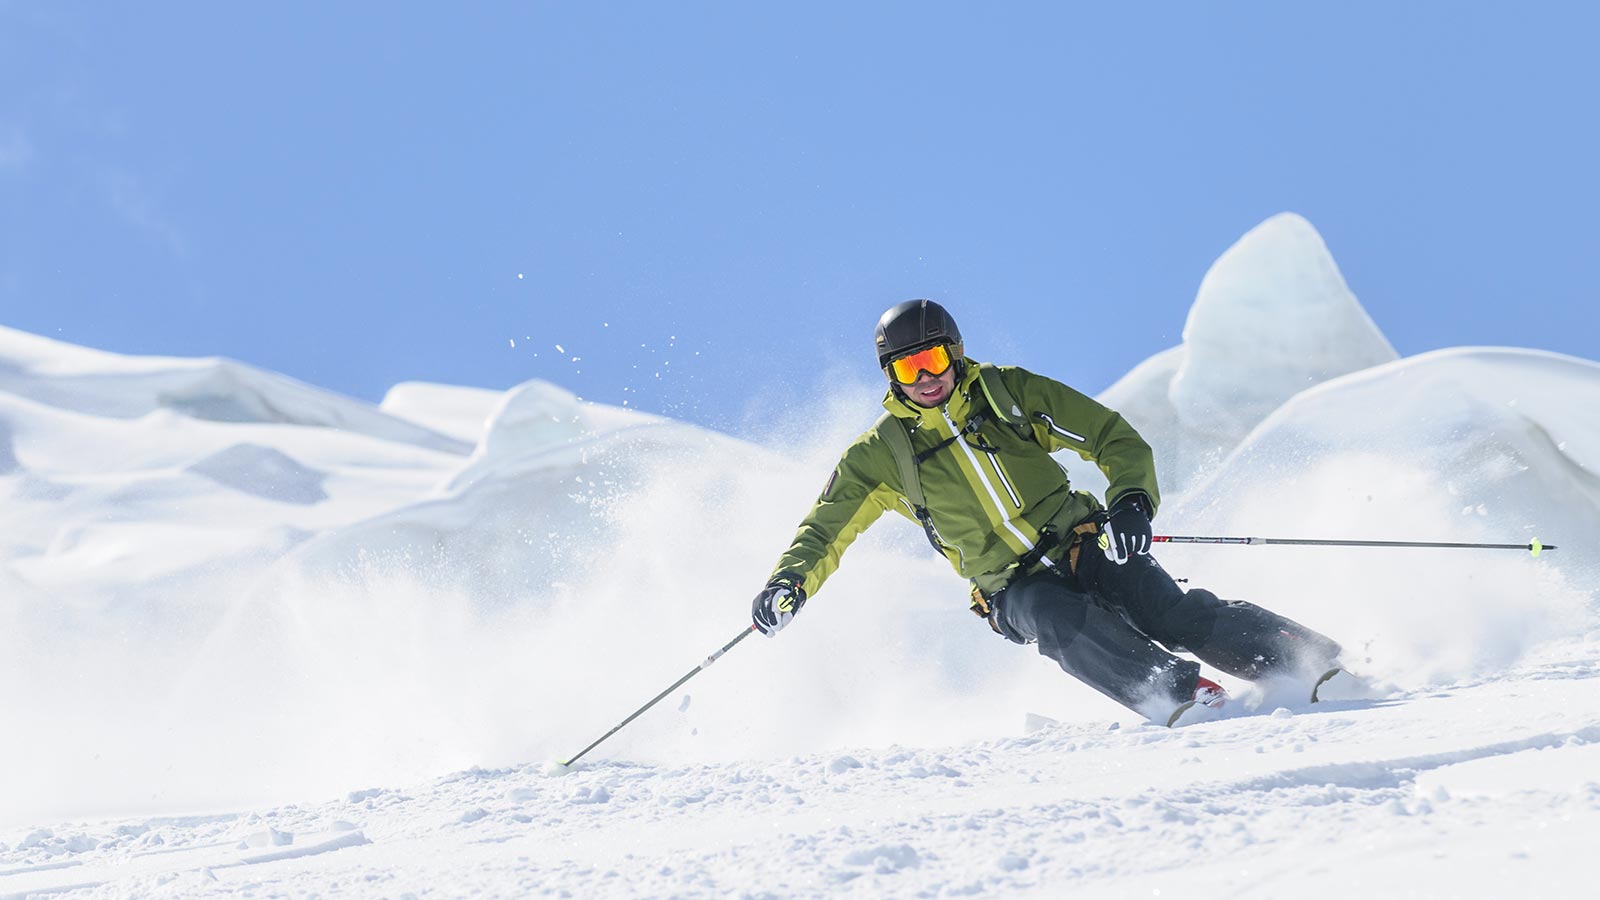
1005 515
1061 431
1004 481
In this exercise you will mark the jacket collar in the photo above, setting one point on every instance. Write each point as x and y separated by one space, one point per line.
959 406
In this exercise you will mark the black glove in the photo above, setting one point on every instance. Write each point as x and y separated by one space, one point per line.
1127 528
777 603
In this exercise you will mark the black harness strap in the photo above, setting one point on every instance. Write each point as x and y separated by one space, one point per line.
894 434
971 428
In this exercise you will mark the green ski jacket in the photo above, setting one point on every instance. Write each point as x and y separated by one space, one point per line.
990 492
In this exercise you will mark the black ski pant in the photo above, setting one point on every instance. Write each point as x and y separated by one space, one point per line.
1105 624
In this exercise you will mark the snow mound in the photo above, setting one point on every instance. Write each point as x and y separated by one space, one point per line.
538 417
538 499
1273 317
264 472
1507 437
217 390
459 412
136 468
1463 445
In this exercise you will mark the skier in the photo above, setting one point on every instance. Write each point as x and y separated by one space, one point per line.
964 450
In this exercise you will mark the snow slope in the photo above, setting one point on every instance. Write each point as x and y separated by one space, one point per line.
1482 788
249 628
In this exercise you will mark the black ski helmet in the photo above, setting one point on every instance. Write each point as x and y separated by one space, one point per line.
915 325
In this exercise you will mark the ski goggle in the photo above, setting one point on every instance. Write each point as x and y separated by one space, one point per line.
934 360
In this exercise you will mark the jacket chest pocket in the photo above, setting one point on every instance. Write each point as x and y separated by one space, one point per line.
1021 466
974 453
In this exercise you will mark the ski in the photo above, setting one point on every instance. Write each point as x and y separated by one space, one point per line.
1350 687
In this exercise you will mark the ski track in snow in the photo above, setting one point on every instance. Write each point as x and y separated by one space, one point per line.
1315 801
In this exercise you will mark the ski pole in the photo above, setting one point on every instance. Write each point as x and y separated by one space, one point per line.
657 698
1534 546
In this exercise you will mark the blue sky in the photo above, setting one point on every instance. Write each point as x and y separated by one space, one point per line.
710 204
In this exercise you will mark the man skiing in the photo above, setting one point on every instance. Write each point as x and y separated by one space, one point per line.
964 451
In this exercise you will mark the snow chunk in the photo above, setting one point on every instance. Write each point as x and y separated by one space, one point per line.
272 837
590 795
55 845
338 842
843 764
1034 722
1013 863
886 859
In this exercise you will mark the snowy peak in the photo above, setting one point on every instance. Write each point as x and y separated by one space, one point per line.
1273 317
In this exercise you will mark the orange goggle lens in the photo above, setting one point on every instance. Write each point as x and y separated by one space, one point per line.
934 361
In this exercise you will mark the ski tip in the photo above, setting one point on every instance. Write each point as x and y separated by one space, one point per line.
1340 683
555 767
1326 676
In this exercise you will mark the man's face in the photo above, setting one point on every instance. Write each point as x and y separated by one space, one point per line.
929 391
913 373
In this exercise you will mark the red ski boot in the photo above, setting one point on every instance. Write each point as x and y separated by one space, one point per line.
1207 695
